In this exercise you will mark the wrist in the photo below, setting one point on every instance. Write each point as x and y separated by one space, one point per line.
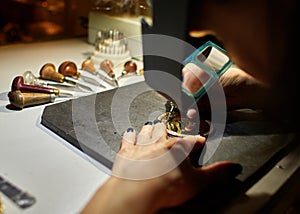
118 195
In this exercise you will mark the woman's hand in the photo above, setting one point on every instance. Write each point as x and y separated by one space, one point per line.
153 171
241 90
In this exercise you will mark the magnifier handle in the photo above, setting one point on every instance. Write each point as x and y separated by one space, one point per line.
21 100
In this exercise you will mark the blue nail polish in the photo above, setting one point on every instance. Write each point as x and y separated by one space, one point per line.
148 123
130 130
156 121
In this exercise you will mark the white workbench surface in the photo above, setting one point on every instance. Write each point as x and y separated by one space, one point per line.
33 158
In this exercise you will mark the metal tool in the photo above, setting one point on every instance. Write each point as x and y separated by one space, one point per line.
92 81
31 79
69 69
170 107
112 81
14 193
88 65
48 72
18 84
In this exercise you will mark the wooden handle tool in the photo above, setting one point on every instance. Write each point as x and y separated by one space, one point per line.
21 100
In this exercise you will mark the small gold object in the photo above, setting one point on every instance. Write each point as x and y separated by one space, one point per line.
141 71
174 125
2 207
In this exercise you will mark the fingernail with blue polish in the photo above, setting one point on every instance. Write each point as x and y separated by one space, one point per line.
156 121
130 130
148 123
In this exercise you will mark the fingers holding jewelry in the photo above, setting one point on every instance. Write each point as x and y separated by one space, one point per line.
129 137
159 133
145 135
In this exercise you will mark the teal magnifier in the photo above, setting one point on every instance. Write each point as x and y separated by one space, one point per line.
203 68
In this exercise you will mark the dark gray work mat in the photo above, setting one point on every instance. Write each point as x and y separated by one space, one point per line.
95 123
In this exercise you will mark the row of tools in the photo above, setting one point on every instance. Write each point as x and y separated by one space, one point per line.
30 90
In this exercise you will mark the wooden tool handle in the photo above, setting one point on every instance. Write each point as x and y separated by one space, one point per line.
21 100
48 72
69 69
107 66
18 84
88 65
130 67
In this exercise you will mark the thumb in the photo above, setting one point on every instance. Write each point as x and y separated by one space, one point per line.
219 172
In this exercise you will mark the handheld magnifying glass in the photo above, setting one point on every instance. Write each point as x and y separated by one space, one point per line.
203 68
